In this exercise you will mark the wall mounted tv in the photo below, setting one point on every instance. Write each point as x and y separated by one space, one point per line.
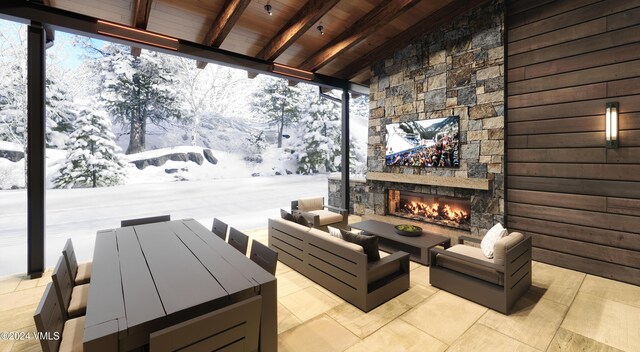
424 143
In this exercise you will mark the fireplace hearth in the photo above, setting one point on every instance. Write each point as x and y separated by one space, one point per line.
436 209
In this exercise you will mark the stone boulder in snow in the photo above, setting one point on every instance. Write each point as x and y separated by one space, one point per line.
161 160
208 154
12 155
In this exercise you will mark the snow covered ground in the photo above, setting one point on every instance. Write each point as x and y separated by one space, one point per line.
244 203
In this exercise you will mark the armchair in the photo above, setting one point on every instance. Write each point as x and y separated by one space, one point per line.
320 214
496 283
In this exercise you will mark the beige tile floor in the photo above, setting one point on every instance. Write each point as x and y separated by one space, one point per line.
564 311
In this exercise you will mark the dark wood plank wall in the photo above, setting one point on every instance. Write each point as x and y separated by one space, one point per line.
580 201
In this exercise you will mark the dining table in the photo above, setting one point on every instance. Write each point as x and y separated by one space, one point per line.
150 277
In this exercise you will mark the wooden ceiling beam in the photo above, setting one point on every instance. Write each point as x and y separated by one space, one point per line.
222 25
309 14
365 26
413 33
141 19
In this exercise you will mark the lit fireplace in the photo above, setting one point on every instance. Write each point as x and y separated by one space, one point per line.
442 210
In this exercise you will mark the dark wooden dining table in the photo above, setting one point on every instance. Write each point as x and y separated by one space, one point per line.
149 277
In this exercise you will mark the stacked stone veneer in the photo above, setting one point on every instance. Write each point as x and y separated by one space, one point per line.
456 70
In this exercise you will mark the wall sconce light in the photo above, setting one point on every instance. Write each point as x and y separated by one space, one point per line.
611 123
321 29
268 8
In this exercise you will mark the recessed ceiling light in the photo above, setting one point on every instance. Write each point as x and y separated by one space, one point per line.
321 29
267 7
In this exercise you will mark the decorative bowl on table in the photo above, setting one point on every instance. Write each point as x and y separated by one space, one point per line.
408 230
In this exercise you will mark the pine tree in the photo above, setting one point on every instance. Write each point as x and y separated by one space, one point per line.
320 149
91 152
277 103
138 90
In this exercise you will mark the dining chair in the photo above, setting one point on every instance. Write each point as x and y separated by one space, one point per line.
142 221
72 299
49 319
232 328
80 273
220 229
238 240
264 256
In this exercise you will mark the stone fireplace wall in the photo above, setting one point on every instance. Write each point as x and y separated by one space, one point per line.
456 70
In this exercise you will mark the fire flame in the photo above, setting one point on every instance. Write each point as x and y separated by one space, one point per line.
434 211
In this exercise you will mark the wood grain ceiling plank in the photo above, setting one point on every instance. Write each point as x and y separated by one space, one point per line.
141 12
428 24
222 25
309 14
368 24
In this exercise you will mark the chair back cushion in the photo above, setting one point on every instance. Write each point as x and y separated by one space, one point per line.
70 257
49 318
368 243
503 244
309 204
339 241
490 239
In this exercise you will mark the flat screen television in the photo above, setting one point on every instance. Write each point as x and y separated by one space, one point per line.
424 143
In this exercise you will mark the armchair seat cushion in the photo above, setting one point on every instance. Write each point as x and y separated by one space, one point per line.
327 217
84 273
471 269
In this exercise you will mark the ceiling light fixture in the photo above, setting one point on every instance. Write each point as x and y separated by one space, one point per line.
267 7
321 29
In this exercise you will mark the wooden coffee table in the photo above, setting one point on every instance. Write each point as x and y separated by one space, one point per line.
389 241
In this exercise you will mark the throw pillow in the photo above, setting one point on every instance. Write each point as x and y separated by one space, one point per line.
490 239
301 220
335 232
368 243
286 215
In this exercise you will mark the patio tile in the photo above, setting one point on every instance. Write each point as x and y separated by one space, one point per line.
611 290
420 276
444 316
27 283
416 295
308 303
533 321
321 334
9 283
286 320
567 341
281 268
398 336
291 282
29 345
554 283
364 324
17 318
6 345
20 298
480 338
609 322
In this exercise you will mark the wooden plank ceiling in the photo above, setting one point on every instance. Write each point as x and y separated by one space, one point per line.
356 32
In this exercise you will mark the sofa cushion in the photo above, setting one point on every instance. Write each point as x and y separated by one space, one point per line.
338 241
471 269
299 219
291 224
490 239
286 215
327 217
500 249
309 204
369 243
335 232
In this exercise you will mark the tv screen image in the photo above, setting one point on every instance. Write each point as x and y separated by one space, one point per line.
424 143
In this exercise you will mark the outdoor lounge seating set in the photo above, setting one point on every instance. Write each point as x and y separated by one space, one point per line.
340 266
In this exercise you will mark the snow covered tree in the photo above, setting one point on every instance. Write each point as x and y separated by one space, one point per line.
91 152
138 90
13 83
60 114
277 103
319 149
